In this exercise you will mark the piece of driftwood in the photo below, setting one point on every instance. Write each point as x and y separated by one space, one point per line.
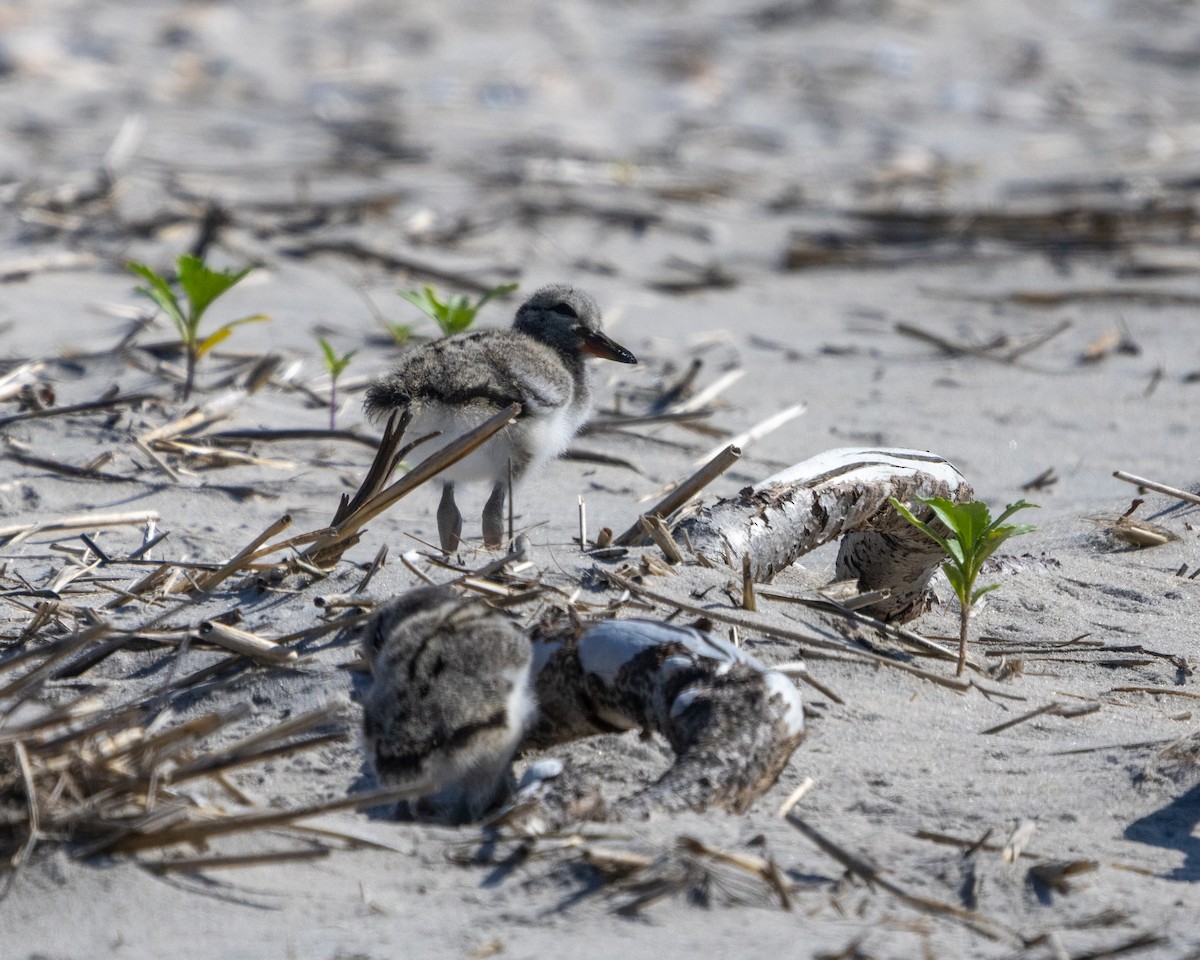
840 493
732 722
455 694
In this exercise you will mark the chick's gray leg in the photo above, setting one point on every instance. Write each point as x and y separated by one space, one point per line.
493 517
449 521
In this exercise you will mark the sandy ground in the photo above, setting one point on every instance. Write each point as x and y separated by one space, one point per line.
728 180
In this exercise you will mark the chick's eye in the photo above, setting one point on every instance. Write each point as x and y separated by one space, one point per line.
565 309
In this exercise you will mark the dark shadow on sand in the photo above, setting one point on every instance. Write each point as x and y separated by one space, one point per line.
1172 827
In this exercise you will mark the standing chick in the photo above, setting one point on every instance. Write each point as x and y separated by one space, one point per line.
454 384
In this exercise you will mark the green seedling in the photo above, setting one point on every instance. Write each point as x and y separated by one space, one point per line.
456 313
201 287
401 333
335 364
973 537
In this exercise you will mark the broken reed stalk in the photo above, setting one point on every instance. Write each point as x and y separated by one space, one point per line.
204 864
345 533
700 399
871 875
246 643
28 684
241 558
655 528
889 630
80 521
386 459
101 778
756 432
216 409
77 408
31 801
802 790
1054 708
1157 487
763 868
200 832
682 494
806 641
748 599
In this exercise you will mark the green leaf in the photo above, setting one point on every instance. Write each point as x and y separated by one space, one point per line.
982 590
160 292
427 302
333 363
921 525
401 333
957 551
957 580
1013 508
456 313
203 285
966 521
503 290
997 535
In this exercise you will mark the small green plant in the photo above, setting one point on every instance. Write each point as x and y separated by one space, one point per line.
401 333
973 537
456 312
335 364
201 287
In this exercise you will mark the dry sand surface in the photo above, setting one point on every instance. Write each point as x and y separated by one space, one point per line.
967 228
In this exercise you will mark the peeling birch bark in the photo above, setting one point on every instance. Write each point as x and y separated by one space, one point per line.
840 493
732 722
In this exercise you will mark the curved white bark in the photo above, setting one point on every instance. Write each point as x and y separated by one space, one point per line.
840 493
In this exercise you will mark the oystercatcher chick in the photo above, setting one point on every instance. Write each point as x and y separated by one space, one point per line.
454 384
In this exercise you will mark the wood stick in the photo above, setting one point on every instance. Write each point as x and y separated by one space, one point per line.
757 432
714 389
81 521
199 864
683 493
792 636
347 529
77 408
1157 487
246 643
217 409
654 528
1047 708
243 556
199 832
748 599
871 874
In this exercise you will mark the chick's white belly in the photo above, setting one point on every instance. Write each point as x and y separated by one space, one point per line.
533 440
